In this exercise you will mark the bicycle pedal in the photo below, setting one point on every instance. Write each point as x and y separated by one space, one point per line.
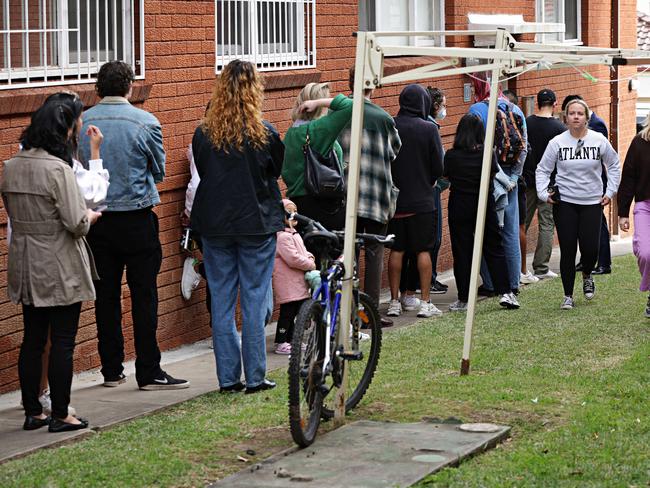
351 355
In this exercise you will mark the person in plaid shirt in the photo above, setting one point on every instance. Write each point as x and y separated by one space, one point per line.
377 195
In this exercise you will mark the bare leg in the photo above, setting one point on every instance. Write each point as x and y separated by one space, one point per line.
45 361
424 268
394 272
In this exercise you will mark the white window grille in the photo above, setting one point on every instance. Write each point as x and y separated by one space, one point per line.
403 15
272 34
565 12
58 42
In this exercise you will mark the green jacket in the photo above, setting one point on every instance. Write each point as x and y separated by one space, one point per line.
323 133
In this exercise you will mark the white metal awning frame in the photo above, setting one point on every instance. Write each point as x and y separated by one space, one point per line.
506 57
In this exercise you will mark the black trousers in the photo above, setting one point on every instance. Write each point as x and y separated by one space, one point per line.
462 210
373 256
577 225
61 323
288 312
604 252
330 213
128 240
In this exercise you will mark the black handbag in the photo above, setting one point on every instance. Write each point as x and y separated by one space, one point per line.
323 175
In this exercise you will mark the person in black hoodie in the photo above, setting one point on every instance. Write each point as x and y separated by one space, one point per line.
415 170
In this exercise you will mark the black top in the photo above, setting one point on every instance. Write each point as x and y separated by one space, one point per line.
463 170
238 193
418 164
635 182
540 131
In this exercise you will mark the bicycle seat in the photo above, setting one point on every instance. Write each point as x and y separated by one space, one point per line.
322 239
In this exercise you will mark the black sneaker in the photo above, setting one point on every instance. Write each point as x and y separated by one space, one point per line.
165 382
234 388
484 292
647 309
438 288
264 385
588 287
113 381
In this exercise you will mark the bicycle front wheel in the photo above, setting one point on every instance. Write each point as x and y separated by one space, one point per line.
305 373
360 372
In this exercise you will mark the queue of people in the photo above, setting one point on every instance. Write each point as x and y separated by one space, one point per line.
98 216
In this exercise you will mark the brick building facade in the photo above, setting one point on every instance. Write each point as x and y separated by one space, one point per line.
179 54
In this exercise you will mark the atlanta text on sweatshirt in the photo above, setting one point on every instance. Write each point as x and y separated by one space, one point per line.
579 168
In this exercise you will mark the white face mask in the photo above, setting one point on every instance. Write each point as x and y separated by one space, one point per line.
441 114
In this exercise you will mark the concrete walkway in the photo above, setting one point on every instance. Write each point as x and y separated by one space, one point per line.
107 407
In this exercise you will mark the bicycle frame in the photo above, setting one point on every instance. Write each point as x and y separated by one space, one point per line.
330 310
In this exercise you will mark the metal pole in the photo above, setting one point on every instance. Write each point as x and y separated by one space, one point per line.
351 215
482 207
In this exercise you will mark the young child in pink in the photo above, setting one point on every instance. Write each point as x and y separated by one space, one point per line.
291 261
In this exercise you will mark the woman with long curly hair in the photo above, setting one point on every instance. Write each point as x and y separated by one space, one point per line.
237 211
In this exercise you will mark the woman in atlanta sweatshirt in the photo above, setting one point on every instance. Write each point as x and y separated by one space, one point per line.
577 156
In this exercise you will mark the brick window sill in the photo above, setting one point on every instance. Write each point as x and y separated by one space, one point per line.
27 100
290 79
398 64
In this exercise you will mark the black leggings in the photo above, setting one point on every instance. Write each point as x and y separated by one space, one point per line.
288 312
577 225
463 209
62 323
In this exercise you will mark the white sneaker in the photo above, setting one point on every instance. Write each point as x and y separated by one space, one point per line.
548 274
190 278
567 303
528 278
509 300
394 308
362 335
458 306
410 302
428 309
46 403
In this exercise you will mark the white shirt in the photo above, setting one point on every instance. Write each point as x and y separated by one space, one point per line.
579 168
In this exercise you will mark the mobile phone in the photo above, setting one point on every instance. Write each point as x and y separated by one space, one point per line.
101 208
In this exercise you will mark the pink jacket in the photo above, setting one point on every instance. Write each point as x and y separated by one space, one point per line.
291 261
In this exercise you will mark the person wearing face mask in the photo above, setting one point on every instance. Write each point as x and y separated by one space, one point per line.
415 171
577 194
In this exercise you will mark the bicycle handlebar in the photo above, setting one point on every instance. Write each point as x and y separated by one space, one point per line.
365 238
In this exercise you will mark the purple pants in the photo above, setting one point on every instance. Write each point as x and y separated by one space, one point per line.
641 241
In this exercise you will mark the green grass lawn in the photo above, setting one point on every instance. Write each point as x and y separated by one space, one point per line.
574 386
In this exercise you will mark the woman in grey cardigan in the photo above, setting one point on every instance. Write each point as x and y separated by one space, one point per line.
50 269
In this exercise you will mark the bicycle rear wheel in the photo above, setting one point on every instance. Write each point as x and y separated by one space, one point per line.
305 373
360 373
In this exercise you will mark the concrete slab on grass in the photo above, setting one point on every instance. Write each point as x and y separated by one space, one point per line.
367 454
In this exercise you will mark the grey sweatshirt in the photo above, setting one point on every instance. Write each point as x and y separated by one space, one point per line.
579 168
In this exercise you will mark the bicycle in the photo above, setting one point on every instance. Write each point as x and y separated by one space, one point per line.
318 360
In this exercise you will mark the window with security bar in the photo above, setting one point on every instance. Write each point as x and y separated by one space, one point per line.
272 34
56 42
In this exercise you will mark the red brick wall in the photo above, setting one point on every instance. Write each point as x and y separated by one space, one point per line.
180 67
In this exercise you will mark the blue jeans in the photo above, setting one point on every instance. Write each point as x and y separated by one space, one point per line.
243 263
510 238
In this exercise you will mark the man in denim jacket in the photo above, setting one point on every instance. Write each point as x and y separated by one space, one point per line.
134 156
